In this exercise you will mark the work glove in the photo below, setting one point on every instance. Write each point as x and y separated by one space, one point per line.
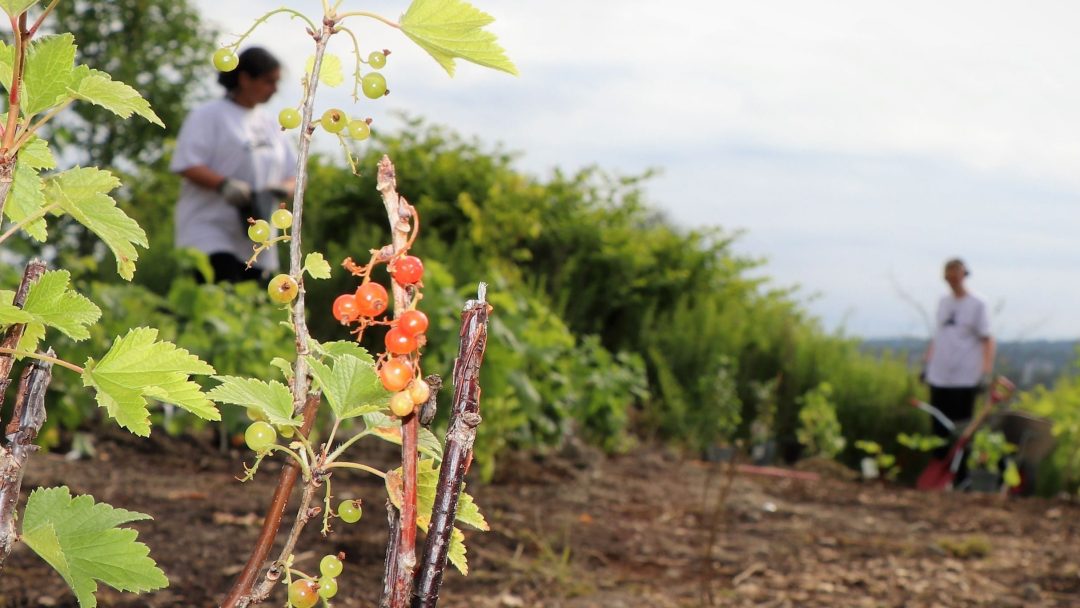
235 192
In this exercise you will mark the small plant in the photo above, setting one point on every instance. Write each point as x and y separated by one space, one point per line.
921 443
988 450
877 463
78 536
819 429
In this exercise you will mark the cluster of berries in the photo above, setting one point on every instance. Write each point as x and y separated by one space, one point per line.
305 592
398 365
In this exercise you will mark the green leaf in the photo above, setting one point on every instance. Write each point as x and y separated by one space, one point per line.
427 480
81 540
11 314
32 335
83 193
15 7
100 89
317 266
330 72
27 190
352 387
285 367
389 429
271 398
50 67
7 64
449 29
138 368
52 303
342 347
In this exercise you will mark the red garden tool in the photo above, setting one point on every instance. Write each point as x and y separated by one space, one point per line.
941 472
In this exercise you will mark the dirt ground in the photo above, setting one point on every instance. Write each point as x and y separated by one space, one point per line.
638 530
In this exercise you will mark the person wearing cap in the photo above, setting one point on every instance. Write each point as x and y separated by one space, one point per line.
960 357
237 164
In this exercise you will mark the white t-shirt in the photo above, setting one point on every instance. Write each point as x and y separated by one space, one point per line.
957 356
237 142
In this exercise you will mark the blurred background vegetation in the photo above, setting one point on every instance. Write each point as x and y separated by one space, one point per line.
612 325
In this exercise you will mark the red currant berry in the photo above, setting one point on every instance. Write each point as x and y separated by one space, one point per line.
408 270
413 322
371 299
345 309
303 593
399 343
396 374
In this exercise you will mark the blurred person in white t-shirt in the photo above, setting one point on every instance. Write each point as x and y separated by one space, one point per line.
960 358
237 164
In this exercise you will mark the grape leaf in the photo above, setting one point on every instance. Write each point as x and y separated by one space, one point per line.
15 7
27 190
83 193
138 368
389 429
330 72
352 387
81 540
271 398
50 67
449 29
427 480
317 266
100 89
51 303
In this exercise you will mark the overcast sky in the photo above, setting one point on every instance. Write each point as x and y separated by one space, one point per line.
858 144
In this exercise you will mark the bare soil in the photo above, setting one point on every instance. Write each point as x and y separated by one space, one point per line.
645 529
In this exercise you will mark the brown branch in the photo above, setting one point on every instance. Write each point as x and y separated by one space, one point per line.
14 334
464 418
304 514
401 566
272 522
30 404
393 517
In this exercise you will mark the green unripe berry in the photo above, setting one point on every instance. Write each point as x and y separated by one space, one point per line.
349 511
282 289
359 129
259 231
327 588
377 59
225 60
330 566
259 436
289 118
281 219
333 120
374 85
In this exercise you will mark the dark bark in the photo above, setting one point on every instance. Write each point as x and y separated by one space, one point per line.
464 418
31 273
19 444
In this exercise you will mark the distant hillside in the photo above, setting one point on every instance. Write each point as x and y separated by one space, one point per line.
1027 363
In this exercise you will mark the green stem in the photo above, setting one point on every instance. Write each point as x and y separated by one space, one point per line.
357 466
41 18
357 437
330 439
267 16
374 16
357 77
301 461
22 353
26 221
21 137
15 92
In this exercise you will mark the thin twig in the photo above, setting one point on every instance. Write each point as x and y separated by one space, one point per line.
30 408
304 514
400 215
14 334
464 418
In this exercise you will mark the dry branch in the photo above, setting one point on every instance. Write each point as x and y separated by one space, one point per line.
464 418
32 273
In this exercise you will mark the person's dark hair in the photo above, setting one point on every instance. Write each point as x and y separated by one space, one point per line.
255 62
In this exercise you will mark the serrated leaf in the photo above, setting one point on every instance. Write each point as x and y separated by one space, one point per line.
449 29
317 266
81 540
83 193
14 7
341 348
389 429
100 89
271 398
138 368
53 304
33 333
330 72
7 61
352 387
285 367
11 314
50 66
427 480
28 188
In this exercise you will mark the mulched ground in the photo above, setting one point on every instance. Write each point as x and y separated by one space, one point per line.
645 529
